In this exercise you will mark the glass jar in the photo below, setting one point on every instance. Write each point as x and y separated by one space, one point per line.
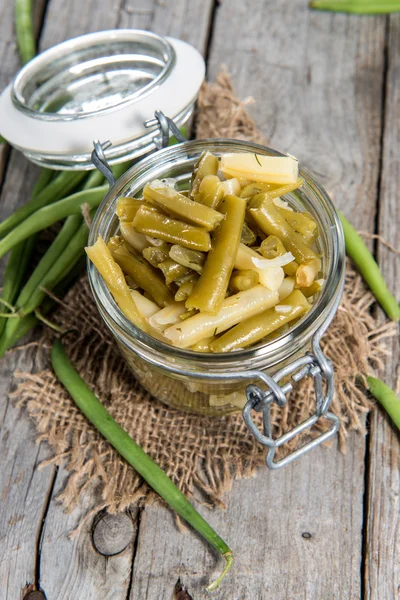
218 383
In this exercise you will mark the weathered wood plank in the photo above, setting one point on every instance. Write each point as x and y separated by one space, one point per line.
23 490
382 574
74 568
292 533
316 79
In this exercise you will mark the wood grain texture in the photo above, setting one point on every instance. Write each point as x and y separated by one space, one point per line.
382 573
293 534
316 79
23 489
73 568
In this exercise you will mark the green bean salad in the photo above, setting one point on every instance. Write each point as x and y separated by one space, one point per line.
219 267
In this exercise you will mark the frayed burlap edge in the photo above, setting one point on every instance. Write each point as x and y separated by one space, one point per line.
202 455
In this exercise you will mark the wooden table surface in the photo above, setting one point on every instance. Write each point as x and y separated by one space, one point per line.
327 89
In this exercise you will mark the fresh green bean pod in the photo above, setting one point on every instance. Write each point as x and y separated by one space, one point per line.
363 7
369 270
302 222
177 205
66 260
243 280
192 259
210 191
172 270
24 28
386 397
58 187
48 215
156 254
20 256
133 264
94 179
47 261
207 164
159 226
272 222
255 328
212 285
101 419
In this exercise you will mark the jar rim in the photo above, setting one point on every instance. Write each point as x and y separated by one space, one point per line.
43 65
162 354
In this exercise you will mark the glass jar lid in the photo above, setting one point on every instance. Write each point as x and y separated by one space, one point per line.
102 85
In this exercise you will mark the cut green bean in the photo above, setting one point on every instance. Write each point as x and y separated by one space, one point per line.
48 215
24 29
127 208
255 328
58 188
134 265
207 164
101 419
365 262
210 191
156 254
363 7
184 290
172 270
160 226
272 222
386 397
243 280
177 205
211 288
302 222
192 259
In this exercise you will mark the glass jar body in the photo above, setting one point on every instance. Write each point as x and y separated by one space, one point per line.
207 383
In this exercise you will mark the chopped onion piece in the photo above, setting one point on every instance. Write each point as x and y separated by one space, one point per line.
169 315
286 288
282 204
279 261
147 308
283 308
231 187
271 278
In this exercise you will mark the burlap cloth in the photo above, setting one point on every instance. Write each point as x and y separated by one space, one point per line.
200 454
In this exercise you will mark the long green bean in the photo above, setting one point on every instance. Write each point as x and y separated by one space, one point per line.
35 290
134 265
24 28
20 256
58 188
103 422
211 288
369 270
386 397
48 259
28 322
49 215
366 7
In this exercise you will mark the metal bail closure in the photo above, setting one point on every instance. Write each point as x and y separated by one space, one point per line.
165 124
313 364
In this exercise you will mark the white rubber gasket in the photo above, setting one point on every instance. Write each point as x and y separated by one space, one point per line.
171 96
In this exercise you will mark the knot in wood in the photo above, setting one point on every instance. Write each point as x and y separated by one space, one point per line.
112 533
35 595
